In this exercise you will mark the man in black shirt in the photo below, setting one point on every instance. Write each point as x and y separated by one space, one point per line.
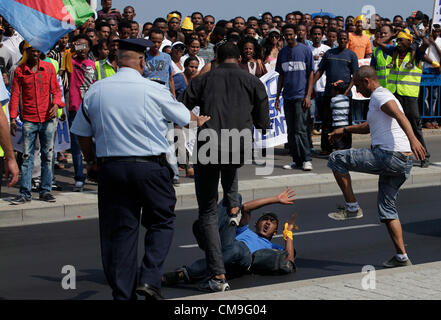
235 100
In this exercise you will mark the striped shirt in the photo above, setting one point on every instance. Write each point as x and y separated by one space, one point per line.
340 110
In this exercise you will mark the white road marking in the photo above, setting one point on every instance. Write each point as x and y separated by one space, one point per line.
292 175
296 234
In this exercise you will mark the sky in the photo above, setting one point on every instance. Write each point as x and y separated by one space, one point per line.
147 10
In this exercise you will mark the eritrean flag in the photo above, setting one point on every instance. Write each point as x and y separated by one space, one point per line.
43 22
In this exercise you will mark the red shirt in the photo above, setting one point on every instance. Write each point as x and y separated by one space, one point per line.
35 90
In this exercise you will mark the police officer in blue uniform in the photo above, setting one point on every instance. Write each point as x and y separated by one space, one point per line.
127 115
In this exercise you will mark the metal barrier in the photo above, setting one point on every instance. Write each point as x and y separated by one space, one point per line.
430 104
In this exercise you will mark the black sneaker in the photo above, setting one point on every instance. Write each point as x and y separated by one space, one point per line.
425 163
35 185
19 200
47 197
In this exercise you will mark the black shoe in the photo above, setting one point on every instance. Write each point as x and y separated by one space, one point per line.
47 197
149 292
19 200
172 278
425 163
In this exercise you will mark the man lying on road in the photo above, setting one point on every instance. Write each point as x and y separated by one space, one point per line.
242 247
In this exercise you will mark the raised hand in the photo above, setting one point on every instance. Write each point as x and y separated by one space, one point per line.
287 196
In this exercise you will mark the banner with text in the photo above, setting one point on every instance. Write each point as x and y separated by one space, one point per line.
278 133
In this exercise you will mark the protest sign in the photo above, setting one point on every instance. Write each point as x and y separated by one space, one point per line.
278 133
62 137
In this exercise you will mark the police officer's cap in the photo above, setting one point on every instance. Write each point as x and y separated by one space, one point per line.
138 45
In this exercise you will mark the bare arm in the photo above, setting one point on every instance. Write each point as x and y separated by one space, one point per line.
391 109
286 197
171 84
362 128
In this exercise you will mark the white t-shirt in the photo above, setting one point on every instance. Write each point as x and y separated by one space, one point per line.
320 51
176 69
201 61
432 53
385 130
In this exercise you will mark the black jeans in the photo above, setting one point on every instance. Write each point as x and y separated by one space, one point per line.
124 189
206 178
298 132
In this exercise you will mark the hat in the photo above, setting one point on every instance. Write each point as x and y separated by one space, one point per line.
418 15
405 34
173 15
178 43
361 17
274 30
269 214
187 24
138 45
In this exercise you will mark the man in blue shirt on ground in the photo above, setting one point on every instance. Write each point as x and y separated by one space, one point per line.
296 75
128 116
240 243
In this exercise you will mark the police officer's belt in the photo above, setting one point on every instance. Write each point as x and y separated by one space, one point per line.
161 159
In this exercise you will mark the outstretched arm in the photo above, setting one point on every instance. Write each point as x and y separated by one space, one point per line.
286 197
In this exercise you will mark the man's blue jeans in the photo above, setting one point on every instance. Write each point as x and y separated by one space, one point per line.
392 167
77 157
45 132
236 255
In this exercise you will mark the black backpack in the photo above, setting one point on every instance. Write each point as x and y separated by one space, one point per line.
272 262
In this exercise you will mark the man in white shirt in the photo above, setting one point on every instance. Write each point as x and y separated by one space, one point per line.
318 51
11 40
393 143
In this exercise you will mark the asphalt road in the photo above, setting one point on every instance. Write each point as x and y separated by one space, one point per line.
32 257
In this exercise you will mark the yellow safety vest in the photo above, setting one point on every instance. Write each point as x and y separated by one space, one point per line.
2 153
57 68
381 67
405 82
104 69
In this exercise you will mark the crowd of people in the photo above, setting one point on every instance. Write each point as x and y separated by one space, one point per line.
201 63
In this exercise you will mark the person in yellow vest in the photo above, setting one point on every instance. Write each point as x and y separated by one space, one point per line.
108 67
404 82
380 60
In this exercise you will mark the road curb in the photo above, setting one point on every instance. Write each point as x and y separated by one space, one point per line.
413 282
80 206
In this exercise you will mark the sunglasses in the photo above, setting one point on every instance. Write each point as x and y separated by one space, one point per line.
208 22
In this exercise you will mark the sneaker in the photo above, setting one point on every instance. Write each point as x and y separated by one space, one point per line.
307 166
174 277
35 185
19 200
344 214
56 187
176 182
78 186
235 218
47 197
394 262
214 285
424 163
290 166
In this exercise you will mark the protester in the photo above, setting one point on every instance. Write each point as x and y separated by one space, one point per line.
129 13
358 42
340 108
124 29
393 143
174 26
177 52
108 12
206 51
193 47
239 243
404 83
271 49
80 79
197 19
296 75
338 64
244 102
37 112
103 30
251 59
318 51
133 171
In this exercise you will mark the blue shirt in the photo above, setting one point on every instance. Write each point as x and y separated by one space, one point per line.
253 241
295 64
128 115
180 84
158 68
338 65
